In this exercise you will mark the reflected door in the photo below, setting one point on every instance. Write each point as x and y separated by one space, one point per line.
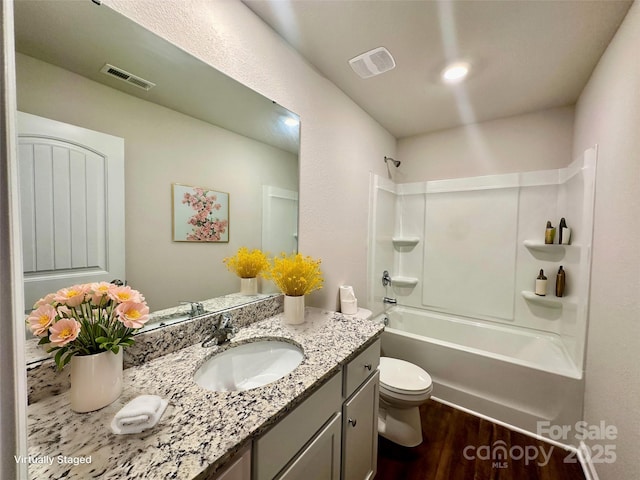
71 203
279 220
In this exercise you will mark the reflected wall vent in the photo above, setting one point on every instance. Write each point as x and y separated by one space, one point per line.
373 62
125 76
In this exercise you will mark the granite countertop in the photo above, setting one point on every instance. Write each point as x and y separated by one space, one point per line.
200 430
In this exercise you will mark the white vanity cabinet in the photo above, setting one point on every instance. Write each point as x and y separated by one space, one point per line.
332 435
360 415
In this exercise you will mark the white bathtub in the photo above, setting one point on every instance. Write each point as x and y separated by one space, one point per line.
513 375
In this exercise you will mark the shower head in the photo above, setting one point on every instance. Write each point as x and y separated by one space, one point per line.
396 163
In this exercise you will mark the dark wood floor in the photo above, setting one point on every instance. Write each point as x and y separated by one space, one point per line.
448 432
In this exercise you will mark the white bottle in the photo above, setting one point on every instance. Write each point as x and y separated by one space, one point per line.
541 284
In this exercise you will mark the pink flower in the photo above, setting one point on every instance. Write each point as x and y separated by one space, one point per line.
99 290
41 318
125 294
71 296
133 314
64 331
47 300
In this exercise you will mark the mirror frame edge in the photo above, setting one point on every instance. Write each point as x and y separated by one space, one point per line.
13 402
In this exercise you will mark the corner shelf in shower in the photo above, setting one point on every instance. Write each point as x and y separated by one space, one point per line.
404 281
545 301
405 241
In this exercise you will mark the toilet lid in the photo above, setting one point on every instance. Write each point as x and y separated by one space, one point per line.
403 377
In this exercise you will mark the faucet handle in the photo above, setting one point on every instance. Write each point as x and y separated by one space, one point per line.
225 321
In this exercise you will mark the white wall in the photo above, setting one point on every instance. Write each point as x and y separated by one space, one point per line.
608 113
535 141
164 147
340 143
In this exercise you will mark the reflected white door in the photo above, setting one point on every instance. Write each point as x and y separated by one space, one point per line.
71 203
279 220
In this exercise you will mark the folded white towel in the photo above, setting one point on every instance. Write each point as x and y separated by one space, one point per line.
139 414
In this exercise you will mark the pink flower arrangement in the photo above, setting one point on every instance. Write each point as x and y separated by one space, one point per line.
88 319
206 227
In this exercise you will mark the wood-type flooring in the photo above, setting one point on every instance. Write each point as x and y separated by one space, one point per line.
461 446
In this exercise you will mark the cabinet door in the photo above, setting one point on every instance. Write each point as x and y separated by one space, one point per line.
360 432
320 460
239 470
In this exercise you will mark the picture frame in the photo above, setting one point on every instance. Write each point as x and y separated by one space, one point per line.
199 214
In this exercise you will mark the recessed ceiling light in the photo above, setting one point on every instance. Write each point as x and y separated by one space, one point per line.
456 72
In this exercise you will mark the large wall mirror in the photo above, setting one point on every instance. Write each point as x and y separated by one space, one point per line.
195 127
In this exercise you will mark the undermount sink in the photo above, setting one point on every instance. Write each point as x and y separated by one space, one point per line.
247 366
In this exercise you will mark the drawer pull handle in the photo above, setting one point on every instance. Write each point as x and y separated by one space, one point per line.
353 422
368 366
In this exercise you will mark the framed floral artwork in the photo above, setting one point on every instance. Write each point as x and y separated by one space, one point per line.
199 214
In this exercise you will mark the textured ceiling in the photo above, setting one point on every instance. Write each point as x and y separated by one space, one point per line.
525 55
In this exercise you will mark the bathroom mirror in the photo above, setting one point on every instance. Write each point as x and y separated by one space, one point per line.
195 127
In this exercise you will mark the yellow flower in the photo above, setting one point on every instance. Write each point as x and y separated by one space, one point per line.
296 275
248 264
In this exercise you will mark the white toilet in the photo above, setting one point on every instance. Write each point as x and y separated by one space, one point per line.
403 388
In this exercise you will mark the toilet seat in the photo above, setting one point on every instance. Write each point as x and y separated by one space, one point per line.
404 378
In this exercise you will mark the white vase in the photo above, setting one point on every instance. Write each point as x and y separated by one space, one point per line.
249 286
96 380
293 310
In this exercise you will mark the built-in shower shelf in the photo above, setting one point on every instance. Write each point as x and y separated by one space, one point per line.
405 241
404 281
546 247
546 301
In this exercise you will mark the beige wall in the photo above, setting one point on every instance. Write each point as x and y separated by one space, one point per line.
608 114
164 147
340 142
535 141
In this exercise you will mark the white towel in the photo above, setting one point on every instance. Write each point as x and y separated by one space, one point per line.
139 414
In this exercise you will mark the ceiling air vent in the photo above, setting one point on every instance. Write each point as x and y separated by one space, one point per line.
125 76
373 62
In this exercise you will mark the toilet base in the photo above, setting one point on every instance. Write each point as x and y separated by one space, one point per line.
400 425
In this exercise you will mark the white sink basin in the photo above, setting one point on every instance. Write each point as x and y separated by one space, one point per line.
247 366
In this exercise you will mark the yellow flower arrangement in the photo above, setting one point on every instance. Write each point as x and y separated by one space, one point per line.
296 275
248 264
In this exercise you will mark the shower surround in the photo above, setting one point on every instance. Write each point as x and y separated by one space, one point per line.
470 249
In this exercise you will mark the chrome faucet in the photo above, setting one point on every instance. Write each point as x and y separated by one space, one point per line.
223 331
391 301
196 308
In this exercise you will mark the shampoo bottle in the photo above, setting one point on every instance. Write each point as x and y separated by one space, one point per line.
549 234
560 282
564 234
541 284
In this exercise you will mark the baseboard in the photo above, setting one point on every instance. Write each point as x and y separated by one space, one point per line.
584 456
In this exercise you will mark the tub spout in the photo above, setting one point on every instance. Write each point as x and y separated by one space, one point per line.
391 301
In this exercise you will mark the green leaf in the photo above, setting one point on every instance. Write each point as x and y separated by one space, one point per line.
115 349
58 357
44 341
100 340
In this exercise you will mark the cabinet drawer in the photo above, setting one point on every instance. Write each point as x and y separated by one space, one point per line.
360 368
279 445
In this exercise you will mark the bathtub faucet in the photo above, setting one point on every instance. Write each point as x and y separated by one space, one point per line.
391 301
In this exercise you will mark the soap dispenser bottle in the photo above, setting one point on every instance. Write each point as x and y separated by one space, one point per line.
560 282
541 284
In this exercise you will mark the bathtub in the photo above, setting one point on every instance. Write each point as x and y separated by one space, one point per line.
518 377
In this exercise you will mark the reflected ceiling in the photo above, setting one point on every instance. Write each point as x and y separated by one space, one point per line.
177 76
